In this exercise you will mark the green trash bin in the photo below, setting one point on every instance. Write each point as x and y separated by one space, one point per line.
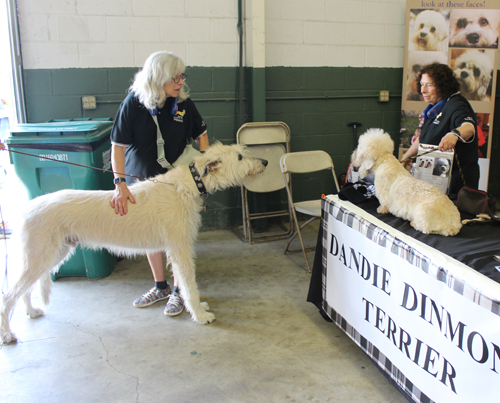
80 141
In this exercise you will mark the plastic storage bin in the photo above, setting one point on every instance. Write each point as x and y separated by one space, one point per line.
80 141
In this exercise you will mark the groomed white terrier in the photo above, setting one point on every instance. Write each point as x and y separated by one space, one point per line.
166 217
427 208
474 28
430 32
474 69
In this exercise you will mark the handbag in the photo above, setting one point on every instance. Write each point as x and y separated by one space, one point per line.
474 202
187 155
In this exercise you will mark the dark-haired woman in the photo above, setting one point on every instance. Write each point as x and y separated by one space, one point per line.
449 122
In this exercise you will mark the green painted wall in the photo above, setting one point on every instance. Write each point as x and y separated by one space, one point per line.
317 103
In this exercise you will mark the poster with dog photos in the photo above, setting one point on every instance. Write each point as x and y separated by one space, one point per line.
464 35
434 166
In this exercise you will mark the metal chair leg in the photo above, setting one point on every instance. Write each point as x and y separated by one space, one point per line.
299 233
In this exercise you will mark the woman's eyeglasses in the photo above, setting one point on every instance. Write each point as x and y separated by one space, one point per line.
184 76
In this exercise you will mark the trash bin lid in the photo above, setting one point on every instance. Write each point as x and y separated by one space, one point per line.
70 131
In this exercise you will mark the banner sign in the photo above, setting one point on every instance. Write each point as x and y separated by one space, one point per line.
464 35
434 335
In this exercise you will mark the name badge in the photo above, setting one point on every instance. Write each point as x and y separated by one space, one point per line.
436 121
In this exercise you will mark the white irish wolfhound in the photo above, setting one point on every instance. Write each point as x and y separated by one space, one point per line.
166 217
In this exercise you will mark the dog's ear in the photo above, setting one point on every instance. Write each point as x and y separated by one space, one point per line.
481 91
442 34
367 164
210 166
485 83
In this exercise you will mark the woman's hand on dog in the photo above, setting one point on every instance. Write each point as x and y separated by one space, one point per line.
122 193
120 197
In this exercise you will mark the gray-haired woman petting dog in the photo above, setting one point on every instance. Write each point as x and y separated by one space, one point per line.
158 102
449 122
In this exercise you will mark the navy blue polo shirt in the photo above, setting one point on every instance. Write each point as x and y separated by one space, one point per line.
135 129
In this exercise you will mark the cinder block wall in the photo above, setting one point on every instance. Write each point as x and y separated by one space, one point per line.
325 63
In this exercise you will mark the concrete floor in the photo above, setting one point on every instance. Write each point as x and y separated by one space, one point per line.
267 344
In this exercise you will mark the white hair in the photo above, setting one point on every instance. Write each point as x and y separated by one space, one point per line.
159 68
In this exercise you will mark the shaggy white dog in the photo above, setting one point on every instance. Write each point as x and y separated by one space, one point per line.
474 28
427 208
430 32
474 69
166 217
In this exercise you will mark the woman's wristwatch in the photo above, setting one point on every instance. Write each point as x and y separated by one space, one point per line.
118 180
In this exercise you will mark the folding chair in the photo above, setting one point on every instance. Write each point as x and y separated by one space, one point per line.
300 163
268 140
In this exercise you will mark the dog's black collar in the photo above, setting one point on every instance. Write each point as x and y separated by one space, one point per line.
196 177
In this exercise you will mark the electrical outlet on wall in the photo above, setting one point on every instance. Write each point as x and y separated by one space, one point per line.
383 96
89 102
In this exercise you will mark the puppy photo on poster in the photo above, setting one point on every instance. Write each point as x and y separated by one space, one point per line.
429 30
471 28
473 69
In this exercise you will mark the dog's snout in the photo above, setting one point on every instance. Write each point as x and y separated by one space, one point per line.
473 38
423 34
464 74
264 162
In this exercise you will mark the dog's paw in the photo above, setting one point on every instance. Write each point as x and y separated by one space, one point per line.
205 306
35 313
204 318
382 210
8 338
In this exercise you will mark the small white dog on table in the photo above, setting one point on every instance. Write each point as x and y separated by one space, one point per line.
427 208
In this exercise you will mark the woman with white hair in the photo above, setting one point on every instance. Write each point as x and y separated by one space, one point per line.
158 90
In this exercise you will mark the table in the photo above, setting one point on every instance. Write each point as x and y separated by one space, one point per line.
417 305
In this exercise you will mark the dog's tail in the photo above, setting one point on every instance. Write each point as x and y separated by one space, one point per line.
45 287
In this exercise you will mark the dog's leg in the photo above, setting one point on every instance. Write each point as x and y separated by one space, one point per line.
39 259
183 267
45 288
30 310
39 267
21 289
9 301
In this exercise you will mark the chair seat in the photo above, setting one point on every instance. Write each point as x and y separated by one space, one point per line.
309 207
